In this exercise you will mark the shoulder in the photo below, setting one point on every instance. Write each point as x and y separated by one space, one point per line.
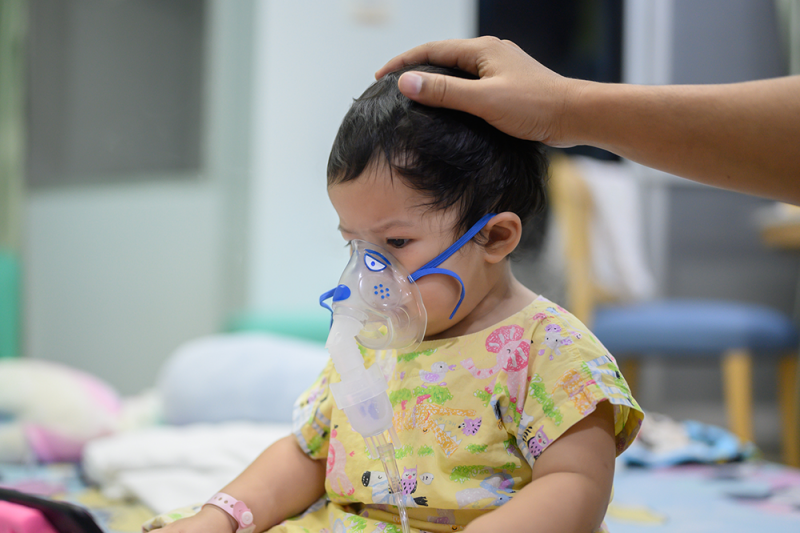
554 328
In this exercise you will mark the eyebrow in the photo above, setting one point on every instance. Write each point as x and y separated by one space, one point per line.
384 227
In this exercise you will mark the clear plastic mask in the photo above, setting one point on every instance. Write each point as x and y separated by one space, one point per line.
376 290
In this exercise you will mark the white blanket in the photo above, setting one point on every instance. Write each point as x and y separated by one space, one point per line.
167 467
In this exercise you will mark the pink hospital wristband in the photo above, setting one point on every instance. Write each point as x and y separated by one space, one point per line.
237 509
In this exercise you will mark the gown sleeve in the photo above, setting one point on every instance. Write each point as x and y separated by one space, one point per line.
569 373
311 417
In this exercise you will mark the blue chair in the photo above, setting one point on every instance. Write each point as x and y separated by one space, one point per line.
734 332
731 331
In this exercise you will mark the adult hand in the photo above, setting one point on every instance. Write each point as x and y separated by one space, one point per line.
739 136
511 84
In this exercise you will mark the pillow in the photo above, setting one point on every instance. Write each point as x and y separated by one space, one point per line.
246 376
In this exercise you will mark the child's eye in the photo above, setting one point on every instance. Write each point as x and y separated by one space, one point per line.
397 243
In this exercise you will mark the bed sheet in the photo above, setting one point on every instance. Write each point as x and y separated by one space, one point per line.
63 481
734 497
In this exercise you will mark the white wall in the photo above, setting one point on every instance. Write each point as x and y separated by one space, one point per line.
312 58
116 277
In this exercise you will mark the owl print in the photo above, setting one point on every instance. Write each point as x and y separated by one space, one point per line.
408 481
538 442
470 426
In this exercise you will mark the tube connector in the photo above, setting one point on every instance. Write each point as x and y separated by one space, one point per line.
361 393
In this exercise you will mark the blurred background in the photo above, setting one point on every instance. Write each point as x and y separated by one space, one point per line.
163 165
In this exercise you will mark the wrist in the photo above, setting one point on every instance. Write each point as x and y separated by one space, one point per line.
220 518
579 111
237 510
613 116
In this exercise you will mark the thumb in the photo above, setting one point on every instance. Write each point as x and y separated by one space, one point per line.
437 90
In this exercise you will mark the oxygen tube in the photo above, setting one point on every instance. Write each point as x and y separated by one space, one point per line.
362 395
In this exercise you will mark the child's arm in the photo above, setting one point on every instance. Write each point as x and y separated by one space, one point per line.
571 483
282 482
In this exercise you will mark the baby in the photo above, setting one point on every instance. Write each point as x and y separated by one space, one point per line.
510 413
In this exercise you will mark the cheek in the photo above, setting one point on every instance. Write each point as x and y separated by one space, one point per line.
440 295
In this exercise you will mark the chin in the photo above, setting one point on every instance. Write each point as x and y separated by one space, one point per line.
439 327
431 332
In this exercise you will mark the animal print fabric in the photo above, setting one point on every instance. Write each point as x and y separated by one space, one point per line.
473 414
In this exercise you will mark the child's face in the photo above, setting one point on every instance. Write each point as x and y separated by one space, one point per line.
385 211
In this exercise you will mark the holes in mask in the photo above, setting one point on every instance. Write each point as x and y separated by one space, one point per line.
380 290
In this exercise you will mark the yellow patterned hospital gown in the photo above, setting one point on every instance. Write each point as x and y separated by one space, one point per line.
473 414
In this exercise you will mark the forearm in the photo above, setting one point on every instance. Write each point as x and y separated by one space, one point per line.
563 502
740 136
282 482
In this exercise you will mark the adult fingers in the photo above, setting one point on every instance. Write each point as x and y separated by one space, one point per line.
437 90
461 53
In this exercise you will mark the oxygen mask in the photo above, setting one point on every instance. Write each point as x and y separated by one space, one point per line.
379 293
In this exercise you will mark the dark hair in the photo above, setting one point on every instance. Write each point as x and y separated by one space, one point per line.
455 159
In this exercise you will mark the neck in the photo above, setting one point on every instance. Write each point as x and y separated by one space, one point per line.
504 297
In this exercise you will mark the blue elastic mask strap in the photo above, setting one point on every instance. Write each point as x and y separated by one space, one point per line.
431 266
425 271
325 296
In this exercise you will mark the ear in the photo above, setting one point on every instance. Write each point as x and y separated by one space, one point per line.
502 234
